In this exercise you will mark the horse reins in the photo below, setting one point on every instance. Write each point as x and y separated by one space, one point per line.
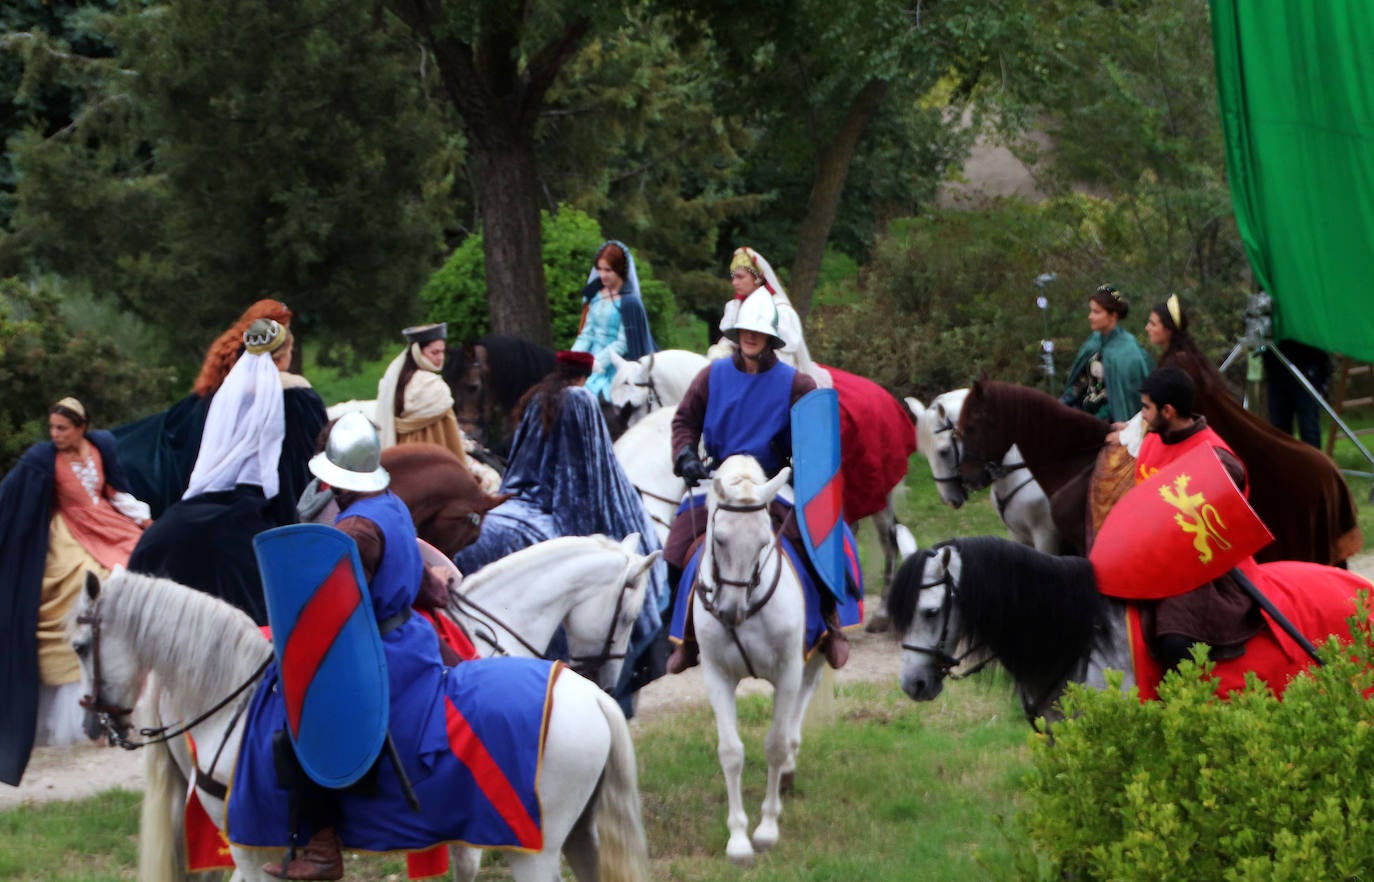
106 712
585 665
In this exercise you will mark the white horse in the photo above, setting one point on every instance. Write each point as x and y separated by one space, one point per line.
1020 501
659 379
592 586
201 650
750 619
645 453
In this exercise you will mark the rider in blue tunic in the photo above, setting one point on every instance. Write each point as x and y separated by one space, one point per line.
371 817
740 405
613 317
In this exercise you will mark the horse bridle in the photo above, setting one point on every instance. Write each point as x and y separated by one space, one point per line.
107 714
945 662
652 400
995 471
705 590
588 666
957 478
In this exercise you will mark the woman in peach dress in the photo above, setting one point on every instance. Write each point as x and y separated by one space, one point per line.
66 511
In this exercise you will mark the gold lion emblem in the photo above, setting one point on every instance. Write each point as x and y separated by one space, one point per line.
1196 516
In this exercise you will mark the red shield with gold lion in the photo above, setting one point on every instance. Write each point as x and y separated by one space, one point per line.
1183 527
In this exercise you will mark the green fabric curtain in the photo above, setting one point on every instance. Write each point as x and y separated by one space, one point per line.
1295 81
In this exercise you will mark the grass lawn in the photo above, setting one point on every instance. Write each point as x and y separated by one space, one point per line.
886 790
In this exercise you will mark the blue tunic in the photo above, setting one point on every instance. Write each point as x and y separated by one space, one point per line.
749 413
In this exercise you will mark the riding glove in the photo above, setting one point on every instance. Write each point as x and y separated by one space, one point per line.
688 466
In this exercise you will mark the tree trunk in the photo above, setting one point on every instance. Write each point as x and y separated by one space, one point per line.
832 168
498 94
504 176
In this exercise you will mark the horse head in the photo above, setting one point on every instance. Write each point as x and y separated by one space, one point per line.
632 394
467 379
599 624
983 441
741 561
110 673
923 604
937 438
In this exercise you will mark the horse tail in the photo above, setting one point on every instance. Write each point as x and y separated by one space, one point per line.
623 853
161 848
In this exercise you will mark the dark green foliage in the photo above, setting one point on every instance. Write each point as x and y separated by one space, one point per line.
246 150
948 296
457 292
1191 787
44 356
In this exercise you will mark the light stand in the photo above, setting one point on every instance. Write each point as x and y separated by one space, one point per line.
1046 344
1258 336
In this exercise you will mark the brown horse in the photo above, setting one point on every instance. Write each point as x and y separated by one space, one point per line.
1058 444
1296 490
445 501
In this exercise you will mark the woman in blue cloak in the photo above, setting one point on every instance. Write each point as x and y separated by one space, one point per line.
613 316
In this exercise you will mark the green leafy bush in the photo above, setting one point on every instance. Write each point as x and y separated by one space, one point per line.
457 292
1192 787
44 356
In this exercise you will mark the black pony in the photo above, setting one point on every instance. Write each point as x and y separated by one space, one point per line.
1038 615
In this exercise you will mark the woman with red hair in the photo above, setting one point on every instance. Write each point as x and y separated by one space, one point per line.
159 451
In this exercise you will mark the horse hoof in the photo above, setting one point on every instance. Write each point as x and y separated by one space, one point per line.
740 855
764 841
787 783
878 623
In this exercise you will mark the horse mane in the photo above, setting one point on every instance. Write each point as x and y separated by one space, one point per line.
169 624
513 366
501 569
1036 613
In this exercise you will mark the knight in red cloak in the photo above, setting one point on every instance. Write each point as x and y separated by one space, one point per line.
1218 613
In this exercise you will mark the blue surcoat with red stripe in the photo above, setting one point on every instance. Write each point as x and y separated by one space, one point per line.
469 737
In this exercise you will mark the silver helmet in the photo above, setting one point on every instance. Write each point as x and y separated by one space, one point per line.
352 457
758 313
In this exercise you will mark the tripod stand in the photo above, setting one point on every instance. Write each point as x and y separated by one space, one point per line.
1263 346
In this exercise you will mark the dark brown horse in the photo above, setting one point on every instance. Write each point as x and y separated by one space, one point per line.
1058 444
445 501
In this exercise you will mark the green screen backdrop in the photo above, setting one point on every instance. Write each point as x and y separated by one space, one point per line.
1295 82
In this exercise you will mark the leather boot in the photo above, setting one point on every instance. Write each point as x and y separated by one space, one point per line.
836 643
322 859
685 655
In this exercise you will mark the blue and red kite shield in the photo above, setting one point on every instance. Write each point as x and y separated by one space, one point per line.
333 670
1179 529
819 487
